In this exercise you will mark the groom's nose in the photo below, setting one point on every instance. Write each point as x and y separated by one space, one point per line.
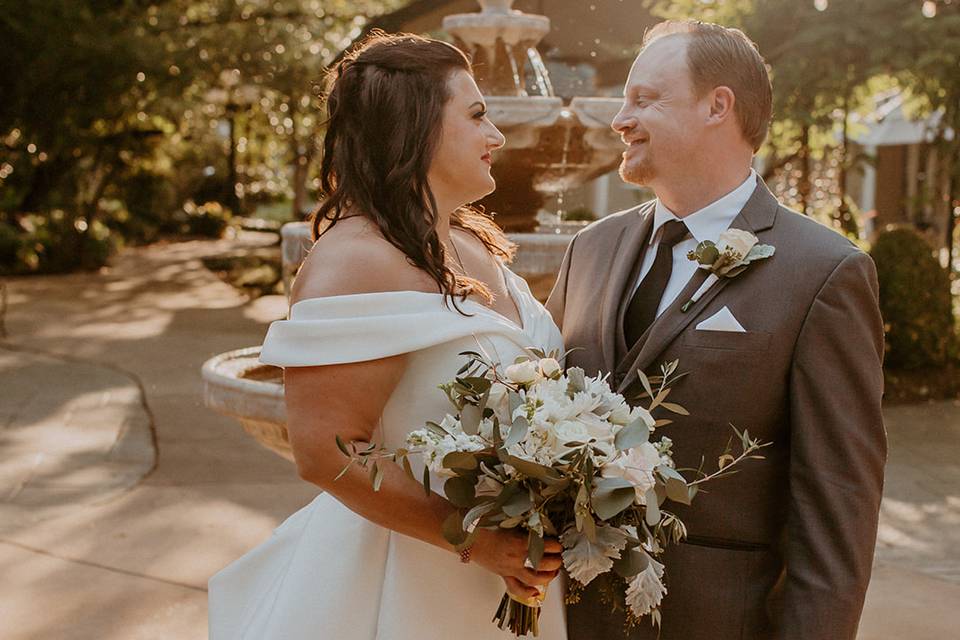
622 122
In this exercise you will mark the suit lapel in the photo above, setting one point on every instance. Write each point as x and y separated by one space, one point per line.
757 216
626 254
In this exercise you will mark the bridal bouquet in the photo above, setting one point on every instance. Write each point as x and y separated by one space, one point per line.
557 453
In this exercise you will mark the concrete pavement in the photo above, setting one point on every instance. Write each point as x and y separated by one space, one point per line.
120 494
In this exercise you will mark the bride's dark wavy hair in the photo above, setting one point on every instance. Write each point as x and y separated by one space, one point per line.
385 101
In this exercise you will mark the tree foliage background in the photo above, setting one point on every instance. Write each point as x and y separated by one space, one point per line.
115 113
122 119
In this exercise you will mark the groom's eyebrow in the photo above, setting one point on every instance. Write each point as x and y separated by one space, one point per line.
642 88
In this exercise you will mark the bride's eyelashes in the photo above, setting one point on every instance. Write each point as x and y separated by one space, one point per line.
480 115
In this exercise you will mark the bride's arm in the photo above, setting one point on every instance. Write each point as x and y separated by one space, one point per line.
347 400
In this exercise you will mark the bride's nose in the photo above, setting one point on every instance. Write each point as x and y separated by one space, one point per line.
496 139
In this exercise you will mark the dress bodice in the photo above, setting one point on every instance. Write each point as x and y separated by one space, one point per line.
424 326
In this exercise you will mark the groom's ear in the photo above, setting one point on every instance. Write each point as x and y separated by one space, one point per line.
722 100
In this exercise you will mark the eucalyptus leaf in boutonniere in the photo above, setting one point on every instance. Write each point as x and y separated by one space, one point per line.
728 257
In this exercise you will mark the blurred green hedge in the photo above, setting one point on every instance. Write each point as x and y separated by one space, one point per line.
914 299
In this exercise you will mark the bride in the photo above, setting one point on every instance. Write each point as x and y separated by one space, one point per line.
402 278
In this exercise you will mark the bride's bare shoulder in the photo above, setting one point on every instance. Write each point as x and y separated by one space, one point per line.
353 257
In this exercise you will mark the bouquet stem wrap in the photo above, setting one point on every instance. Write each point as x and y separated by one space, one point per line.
520 615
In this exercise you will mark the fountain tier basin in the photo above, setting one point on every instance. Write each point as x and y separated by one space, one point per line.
236 384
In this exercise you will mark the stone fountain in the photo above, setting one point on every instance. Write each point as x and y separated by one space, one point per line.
551 147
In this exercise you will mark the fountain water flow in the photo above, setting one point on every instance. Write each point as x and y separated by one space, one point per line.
563 171
541 76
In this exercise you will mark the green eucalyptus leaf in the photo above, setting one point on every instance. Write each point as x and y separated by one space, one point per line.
675 408
555 488
632 435
609 484
514 400
589 528
670 472
461 492
508 491
510 523
452 530
476 513
531 469
645 381
426 480
407 468
548 526
535 548
677 491
468 541
517 432
470 417
609 502
518 504
460 460
533 522
631 563
653 510
436 428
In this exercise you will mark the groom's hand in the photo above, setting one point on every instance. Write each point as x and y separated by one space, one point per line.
505 553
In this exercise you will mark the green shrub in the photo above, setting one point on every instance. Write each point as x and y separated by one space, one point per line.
56 243
9 247
208 220
579 214
914 300
144 208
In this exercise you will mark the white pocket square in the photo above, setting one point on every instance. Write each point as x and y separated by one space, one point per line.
722 320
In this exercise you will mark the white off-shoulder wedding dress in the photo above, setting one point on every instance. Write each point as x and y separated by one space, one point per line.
326 572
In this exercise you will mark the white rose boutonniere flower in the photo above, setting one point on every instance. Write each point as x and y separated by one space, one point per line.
728 257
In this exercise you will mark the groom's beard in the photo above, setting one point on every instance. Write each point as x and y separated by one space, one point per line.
639 173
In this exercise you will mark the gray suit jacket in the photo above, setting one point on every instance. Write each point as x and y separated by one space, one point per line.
784 548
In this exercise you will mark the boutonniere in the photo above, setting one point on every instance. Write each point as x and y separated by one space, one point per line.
728 257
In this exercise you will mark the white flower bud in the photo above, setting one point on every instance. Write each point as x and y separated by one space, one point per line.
549 367
522 372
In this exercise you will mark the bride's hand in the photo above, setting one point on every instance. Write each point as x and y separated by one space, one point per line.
505 552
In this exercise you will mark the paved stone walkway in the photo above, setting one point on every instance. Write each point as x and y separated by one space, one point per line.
120 494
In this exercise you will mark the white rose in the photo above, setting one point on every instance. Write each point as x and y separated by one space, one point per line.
522 372
570 431
636 466
597 427
738 241
549 367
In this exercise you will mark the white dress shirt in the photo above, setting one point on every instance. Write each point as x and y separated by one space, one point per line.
705 224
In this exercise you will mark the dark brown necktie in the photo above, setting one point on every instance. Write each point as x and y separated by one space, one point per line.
643 307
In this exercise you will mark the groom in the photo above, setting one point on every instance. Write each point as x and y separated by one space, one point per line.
790 349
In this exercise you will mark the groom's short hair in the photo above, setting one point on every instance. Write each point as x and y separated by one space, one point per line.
723 56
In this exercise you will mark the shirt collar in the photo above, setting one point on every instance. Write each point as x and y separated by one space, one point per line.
712 220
